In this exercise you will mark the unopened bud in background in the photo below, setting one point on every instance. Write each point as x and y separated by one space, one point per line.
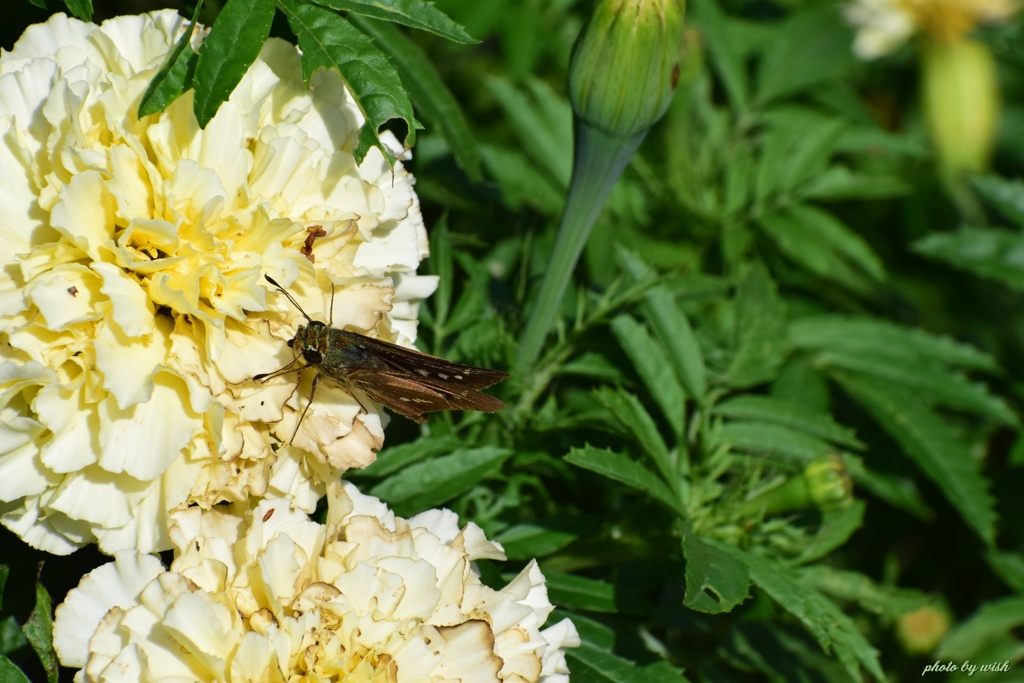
625 65
624 70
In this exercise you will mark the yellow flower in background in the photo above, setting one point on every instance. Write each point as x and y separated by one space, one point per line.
959 86
133 306
884 25
276 597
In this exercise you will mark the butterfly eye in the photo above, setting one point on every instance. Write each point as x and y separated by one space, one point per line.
291 343
312 356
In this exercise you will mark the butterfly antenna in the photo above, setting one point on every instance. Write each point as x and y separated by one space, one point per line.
264 376
291 298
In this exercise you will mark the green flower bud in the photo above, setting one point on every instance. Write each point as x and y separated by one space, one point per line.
625 64
961 102
828 482
920 631
824 484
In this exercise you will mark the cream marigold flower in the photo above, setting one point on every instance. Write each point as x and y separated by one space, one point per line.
884 25
133 306
277 597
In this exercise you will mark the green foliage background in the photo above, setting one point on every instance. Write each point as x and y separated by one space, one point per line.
780 278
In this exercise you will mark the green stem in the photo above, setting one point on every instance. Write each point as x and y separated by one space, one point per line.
598 163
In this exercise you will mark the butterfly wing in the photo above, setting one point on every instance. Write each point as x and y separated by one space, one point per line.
413 395
403 361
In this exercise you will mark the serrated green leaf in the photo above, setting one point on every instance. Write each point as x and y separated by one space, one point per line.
698 286
835 529
809 48
525 541
834 631
809 158
1016 456
671 328
739 174
639 424
542 123
759 330
441 264
472 305
838 183
874 337
788 414
577 592
9 673
800 382
823 245
888 601
988 252
521 182
885 144
626 471
595 665
396 458
727 53
1005 195
780 654
898 491
932 444
767 439
796 147
174 78
39 633
716 581
992 620
592 366
416 14
432 97
232 45
936 385
651 363
330 42
1009 565
776 147
433 482
81 9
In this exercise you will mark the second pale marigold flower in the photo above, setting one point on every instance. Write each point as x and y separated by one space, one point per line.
277 597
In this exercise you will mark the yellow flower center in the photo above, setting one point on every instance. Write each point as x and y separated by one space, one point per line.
950 20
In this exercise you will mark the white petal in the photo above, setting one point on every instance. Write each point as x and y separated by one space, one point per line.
204 627
21 471
50 532
96 496
117 583
128 363
255 660
66 413
65 296
85 213
143 440
39 40
132 310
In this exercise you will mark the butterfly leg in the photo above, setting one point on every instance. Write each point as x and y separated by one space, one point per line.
312 393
